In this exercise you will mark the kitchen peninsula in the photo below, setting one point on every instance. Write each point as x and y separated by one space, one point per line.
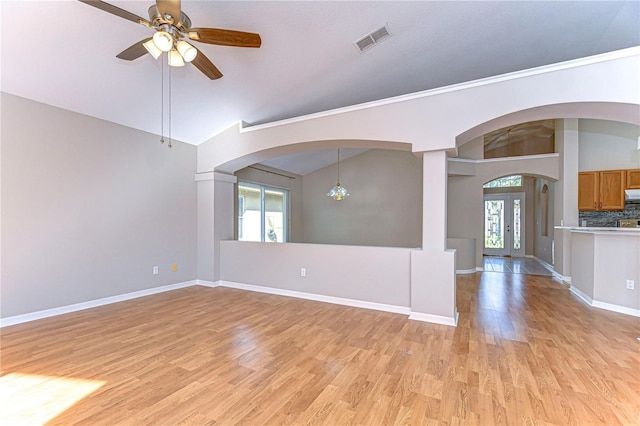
604 263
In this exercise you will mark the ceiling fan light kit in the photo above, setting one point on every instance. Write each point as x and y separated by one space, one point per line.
152 48
171 26
187 51
175 59
163 40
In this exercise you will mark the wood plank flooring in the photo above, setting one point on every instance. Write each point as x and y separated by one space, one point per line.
525 352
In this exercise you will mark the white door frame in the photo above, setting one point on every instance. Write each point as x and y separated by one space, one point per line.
510 198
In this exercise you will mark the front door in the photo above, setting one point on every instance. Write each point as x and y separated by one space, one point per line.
504 224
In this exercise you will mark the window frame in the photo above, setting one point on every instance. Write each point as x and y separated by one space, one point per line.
263 188
504 179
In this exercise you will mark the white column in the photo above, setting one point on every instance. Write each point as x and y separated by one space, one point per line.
434 200
433 269
565 193
215 192
223 213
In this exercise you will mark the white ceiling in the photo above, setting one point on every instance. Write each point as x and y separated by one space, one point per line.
63 53
302 163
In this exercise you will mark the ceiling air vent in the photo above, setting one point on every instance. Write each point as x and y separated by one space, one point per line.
373 38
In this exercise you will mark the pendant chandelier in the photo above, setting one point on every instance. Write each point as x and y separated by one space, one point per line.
338 192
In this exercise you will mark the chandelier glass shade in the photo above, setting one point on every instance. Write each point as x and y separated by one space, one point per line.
338 192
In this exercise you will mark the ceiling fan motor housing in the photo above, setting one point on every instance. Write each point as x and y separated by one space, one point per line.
157 20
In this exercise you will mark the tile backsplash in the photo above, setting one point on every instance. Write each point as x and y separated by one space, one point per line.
609 218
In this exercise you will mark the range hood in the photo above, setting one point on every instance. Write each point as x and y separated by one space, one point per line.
632 194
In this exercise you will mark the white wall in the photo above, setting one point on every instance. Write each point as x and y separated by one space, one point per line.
88 208
384 208
602 262
372 274
608 145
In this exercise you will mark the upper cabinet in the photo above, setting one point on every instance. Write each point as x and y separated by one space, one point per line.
602 190
588 197
633 179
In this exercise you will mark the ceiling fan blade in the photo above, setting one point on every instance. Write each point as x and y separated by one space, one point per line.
206 66
169 7
117 11
134 52
224 37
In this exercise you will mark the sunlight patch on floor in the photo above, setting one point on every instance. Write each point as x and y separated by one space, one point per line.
28 399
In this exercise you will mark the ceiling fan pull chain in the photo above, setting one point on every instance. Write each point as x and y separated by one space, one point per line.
169 107
162 102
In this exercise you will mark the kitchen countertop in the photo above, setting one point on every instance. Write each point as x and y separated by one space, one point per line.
601 230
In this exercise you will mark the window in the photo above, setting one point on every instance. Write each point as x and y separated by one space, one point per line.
262 213
504 182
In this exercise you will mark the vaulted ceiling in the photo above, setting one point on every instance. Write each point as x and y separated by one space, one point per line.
63 53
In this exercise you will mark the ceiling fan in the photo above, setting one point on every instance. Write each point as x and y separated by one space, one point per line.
172 27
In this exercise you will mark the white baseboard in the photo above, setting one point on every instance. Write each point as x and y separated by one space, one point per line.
466 271
32 316
317 297
207 283
479 268
616 308
575 290
437 319
603 305
543 263
18 319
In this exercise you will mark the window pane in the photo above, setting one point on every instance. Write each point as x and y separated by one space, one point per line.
504 182
249 213
262 213
274 209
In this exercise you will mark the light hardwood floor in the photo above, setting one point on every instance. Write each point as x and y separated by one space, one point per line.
525 352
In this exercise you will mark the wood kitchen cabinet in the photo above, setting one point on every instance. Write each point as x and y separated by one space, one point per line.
602 190
633 179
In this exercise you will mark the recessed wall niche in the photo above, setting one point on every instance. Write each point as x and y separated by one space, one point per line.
531 138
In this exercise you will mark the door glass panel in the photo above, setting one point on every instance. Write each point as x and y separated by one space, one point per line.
274 207
494 224
516 224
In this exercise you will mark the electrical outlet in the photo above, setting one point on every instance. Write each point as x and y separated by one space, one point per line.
631 284
155 270
303 272
174 267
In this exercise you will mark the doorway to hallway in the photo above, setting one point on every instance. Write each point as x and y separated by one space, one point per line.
504 218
